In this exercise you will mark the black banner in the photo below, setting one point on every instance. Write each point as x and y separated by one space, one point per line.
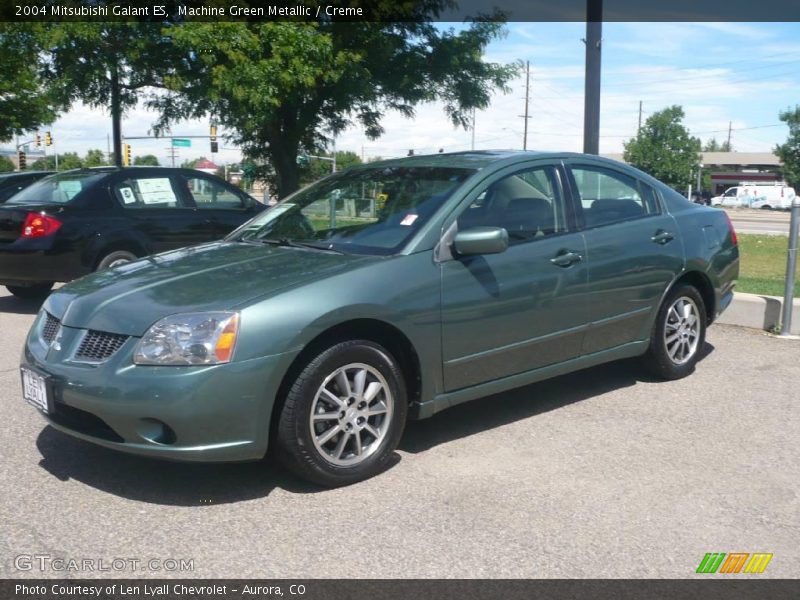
393 11
391 589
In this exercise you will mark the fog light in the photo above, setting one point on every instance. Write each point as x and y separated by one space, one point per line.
156 431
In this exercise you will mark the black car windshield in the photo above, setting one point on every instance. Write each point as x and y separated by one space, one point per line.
57 189
363 211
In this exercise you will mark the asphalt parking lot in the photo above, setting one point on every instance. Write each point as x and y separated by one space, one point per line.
603 473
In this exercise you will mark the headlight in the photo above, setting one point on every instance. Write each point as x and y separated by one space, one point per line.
189 339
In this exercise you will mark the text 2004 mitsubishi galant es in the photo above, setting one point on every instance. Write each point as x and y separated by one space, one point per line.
389 291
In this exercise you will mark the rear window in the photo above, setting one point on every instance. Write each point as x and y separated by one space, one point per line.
57 189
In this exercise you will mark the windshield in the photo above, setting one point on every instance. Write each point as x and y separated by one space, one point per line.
364 211
57 189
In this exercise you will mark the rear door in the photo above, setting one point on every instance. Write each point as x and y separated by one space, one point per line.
155 206
634 252
221 204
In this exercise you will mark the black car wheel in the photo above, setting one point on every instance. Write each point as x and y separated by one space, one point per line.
678 335
36 291
344 415
115 259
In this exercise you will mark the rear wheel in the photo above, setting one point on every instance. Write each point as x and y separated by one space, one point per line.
115 259
36 291
678 335
344 415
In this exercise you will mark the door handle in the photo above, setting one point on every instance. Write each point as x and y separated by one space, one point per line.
566 259
662 237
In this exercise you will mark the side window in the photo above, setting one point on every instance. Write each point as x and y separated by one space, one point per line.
210 194
147 192
611 197
528 204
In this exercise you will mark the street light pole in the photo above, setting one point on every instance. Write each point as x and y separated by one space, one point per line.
791 268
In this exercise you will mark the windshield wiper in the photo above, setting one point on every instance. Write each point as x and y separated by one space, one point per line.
295 244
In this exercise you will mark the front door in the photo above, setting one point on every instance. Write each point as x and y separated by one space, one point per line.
522 309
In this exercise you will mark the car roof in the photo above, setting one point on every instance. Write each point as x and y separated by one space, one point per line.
478 159
13 174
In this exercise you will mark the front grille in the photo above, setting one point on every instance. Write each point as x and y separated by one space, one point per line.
50 327
98 346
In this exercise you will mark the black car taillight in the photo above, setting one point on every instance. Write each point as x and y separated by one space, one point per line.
39 225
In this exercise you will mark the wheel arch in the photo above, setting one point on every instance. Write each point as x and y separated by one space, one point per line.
703 285
374 330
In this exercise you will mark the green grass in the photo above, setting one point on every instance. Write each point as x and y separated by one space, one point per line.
763 265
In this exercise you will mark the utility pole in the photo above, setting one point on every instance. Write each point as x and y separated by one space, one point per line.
116 116
527 98
591 97
730 127
638 129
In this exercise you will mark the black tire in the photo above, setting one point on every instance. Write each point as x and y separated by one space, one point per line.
36 291
295 445
659 360
118 256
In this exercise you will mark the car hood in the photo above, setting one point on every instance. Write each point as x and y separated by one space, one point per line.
216 276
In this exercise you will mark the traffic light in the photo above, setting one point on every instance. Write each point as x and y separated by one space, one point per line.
38 139
213 133
214 147
22 160
410 153
126 155
48 139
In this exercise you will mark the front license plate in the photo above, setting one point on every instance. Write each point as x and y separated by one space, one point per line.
34 390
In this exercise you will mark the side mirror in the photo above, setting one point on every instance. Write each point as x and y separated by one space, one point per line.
480 240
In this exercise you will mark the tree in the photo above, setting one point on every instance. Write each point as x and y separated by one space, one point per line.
789 151
279 87
66 161
6 165
191 164
147 160
25 103
95 158
103 64
664 149
713 145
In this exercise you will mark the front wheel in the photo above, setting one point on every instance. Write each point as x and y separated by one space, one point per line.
36 291
344 415
678 335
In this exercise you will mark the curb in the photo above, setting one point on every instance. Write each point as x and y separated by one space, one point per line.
759 312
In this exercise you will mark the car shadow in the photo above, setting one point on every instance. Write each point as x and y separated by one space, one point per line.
502 409
14 305
206 484
159 481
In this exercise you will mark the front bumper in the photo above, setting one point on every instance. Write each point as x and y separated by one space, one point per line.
213 413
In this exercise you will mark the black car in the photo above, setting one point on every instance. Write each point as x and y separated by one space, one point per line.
75 222
11 183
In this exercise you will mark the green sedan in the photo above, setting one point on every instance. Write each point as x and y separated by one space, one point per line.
386 292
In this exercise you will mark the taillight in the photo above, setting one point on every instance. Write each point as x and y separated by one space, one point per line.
733 231
39 225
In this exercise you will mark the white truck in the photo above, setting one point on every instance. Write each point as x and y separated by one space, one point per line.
749 194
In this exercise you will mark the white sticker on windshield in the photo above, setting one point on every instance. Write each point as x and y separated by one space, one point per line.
409 220
127 195
156 191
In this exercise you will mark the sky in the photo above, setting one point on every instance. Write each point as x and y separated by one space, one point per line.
742 74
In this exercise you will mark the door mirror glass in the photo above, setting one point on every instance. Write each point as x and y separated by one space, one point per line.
480 240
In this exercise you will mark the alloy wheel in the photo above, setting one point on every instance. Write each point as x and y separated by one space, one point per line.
351 414
682 330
